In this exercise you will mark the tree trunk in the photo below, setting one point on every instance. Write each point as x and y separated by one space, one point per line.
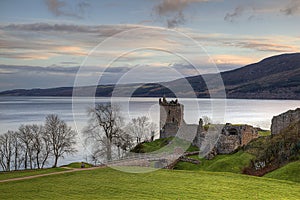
8 165
30 160
37 160
119 153
16 156
108 151
25 160
44 161
55 161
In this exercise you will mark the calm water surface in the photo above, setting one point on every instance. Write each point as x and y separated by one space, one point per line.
15 111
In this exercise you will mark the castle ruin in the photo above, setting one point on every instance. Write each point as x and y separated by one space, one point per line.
283 120
220 139
171 117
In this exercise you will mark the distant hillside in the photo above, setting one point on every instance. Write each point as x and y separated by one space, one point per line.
276 77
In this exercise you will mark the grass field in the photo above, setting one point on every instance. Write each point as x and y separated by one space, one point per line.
107 183
290 172
24 173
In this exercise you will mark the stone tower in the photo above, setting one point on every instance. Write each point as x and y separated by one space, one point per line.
171 117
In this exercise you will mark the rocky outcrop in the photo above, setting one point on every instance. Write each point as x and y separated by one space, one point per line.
283 120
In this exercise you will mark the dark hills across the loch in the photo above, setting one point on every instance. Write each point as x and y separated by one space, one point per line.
276 77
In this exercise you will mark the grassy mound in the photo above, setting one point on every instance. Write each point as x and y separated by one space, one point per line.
78 165
158 144
234 163
290 172
106 183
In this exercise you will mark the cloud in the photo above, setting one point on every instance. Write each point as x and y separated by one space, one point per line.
51 69
176 21
173 11
39 43
238 11
61 8
101 30
250 12
35 77
55 6
267 46
43 40
224 60
27 77
46 41
292 8
256 9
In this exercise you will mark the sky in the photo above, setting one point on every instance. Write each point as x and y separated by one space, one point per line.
54 43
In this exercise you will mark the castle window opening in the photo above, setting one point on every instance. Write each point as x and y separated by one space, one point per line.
232 131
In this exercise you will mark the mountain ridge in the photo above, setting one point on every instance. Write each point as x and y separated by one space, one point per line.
276 77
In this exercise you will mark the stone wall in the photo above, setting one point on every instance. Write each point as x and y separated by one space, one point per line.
169 130
235 136
248 133
283 120
228 144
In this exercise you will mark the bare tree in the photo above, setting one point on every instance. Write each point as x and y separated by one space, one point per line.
26 137
46 148
95 155
123 142
41 145
6 150
18 149
104 126
61 137
141 128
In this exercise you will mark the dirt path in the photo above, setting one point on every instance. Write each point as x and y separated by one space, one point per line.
49 174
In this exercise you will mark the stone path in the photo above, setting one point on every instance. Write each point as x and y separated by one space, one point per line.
52 173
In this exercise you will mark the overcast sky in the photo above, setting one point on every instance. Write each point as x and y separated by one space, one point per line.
47 43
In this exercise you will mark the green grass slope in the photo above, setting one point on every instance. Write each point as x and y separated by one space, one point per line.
221 163
107 183
157 145
290 172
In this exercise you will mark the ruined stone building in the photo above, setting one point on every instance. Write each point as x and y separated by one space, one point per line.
235 136
283 120
171 117
218 139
